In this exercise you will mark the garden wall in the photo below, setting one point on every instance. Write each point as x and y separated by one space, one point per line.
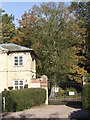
41 83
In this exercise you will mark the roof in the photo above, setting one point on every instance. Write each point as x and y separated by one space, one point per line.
10 47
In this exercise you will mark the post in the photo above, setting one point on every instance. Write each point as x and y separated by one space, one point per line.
4 103
0 106
44 84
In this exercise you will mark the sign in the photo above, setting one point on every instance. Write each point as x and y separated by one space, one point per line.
72 93
56 89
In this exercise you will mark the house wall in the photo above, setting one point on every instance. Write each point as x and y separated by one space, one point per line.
3 71
9 72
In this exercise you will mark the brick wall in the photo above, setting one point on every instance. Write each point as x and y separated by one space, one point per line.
40 83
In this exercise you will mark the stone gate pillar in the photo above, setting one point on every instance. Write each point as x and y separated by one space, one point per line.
44 84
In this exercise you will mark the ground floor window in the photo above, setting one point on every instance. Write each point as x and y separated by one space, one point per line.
18 84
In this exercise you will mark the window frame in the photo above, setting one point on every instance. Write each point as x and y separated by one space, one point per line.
18 61
18 85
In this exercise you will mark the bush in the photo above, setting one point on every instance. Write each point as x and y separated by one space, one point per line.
17 100
86 96
10 88
87 77
70 90
26 86
61 92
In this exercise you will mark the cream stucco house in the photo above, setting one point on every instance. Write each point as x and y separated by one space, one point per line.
17 66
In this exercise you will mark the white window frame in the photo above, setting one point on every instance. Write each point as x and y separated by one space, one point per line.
18 85
17 61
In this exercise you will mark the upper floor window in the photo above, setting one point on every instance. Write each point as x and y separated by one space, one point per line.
18 61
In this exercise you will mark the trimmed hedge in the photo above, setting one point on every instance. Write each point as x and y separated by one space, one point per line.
17 100
86 96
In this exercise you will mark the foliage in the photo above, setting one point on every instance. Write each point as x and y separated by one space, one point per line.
57 34
17 100
26 86
70 90
87 78
56 37
7 27
86 96
10 88
10 103
82 11
61 92
79 11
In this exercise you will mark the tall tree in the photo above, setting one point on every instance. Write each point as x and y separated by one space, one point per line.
7 27
56 36
82 11
41 29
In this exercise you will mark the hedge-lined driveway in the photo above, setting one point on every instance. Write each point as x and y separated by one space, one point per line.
50 111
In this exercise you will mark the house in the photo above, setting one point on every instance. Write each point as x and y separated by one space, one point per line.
17 66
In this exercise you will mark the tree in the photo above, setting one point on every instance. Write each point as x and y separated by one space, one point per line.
78 48
40 29
7 27
57 38
82 12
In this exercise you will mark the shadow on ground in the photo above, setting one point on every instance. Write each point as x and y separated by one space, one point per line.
80 114
74 104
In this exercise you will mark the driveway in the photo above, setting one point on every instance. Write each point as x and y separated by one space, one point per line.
49 111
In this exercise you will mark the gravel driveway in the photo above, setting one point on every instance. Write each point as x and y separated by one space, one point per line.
49 111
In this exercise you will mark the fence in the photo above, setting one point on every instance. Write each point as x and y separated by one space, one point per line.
66 93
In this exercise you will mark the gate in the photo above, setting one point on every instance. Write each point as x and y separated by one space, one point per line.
71 98
65 100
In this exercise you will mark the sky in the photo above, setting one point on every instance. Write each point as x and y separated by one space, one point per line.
18 7
35 0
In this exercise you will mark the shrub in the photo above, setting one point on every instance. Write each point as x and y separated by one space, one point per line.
87 77
10 88
61 92
70 90
86 96
17 100
10 103
26 86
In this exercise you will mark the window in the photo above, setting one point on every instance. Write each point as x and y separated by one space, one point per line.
18 61
18 84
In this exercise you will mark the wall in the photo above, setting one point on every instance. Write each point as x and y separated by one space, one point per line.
24 72
9 72
3 71
40 83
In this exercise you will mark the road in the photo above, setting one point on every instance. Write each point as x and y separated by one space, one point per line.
49 111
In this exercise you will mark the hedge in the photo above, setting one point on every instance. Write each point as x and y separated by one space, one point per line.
86 97
17 100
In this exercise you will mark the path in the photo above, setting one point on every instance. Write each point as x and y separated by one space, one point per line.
50 111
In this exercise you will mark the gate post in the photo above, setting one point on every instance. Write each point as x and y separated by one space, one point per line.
44 84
